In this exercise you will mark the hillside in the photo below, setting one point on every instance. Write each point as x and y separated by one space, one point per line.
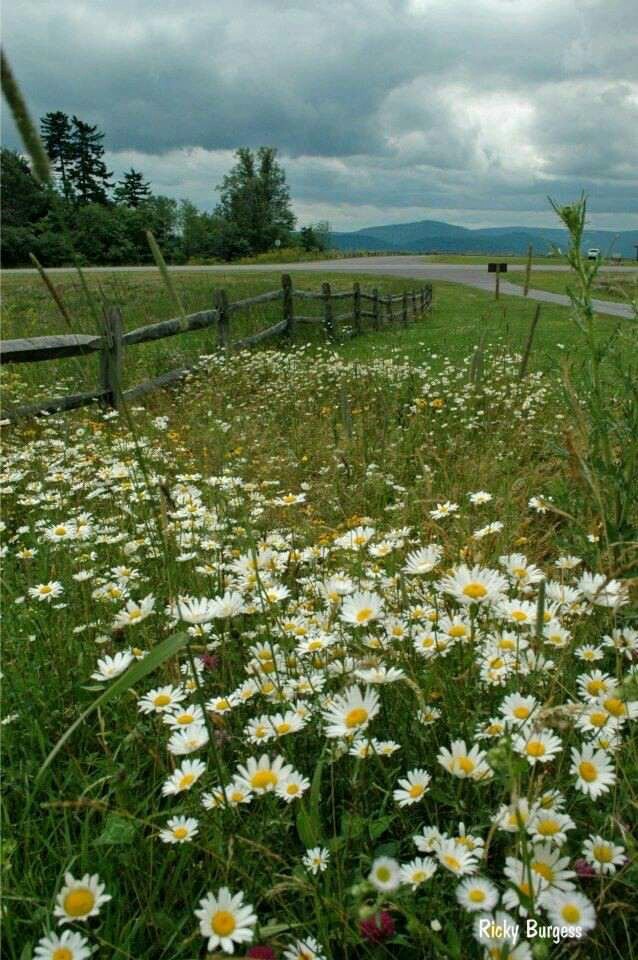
434 236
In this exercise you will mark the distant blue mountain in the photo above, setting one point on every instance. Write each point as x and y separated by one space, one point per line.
435 236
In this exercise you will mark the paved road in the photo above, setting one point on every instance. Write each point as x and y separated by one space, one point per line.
411 267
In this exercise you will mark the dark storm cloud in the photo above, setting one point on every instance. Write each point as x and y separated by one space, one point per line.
374 104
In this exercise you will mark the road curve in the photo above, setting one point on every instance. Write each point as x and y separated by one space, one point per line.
410 267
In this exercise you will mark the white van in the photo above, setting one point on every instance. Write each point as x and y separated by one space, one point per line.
593 253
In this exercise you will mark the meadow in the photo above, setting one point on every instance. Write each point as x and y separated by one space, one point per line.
354 627
621 287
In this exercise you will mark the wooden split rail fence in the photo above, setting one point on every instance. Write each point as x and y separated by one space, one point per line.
111 345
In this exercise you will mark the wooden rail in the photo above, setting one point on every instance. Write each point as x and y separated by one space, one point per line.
112 342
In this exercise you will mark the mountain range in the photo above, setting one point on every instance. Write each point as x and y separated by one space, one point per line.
435 236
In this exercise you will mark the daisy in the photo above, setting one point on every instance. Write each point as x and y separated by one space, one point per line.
134 613
537 747
80 899
316 859
186 741
480 497
517 710
355 539
285 723
184 717
592 685
385 874
183 777
456 857
47 591
589 653
476 893
522 573
66 946
225 920
603 855
230 605
161 699
443 510
603 592
179 830
351 712
423 561
429 840
264 775
110 667
593 769
192 610
547 862
361 608
463 763
474 585
292 787
525 886
549 825
307 949
417 871
569 909
413 788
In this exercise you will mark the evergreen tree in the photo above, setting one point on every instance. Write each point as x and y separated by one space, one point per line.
55 129
132 190
89 177
254 198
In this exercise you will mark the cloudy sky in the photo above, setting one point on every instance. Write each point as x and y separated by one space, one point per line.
470 111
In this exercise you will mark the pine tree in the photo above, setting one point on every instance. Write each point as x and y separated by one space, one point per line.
55 128
89 177
132 190
254 198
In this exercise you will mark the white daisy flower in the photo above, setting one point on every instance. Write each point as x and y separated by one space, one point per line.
593 769
80 899
569 909
264 775
225 920
603 855
423 561
476 893
412 788
68 945
161 699
385 874
184 777
350 712
417 871
361 608
316 859
108 668
179 830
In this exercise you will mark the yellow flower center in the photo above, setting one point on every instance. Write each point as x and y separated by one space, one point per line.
356 717
547 828
519 572
180 832
283 728
588 771
315 645
598 719
223 923
185 718
79 902
535 748
62 953
519 615
543 870
496 663
186 781
477 895
60 531
363 615
521 713
383 874
602 853
452 862
458 630
263 779
45 589
474 590
135 614
161 700
614 706
236 796
595 686
416 790
292 789
570 913
466 764
524 888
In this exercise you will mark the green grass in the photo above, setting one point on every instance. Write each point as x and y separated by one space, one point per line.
374 431
609 286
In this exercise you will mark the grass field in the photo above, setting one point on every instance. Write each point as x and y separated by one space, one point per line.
340 601
609 286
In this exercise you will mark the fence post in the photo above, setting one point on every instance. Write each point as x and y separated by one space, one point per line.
288 305
356 307
404 309
528 269
327 310
414 306
497 283
111 358
221 305
376 319
388 309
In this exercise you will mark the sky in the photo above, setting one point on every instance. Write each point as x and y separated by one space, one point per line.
383 111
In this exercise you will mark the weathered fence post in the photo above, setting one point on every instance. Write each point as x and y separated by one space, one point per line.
404 309
223 332
376 319
356 307
328 321
414 306
422 300
497 283
288 305
528 270
111 358
388 308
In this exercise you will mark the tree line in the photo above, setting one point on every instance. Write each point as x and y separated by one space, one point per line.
87 217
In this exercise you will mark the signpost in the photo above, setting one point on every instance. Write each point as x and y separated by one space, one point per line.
497 269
